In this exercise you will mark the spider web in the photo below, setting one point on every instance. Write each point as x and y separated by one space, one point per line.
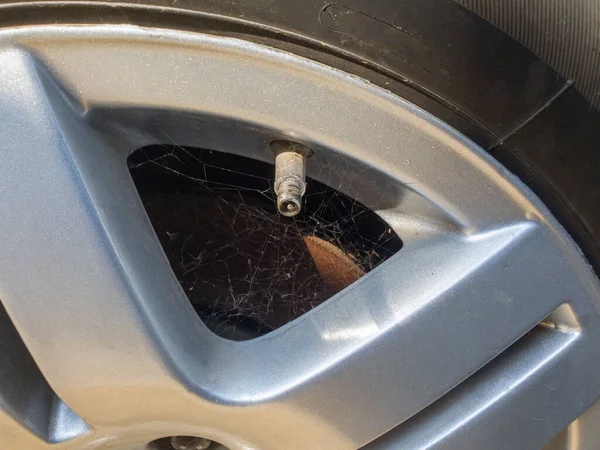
245 268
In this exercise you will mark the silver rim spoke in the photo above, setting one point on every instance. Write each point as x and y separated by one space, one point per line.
89 303
403 321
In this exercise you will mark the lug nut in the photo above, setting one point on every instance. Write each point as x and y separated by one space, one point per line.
189 443
290 175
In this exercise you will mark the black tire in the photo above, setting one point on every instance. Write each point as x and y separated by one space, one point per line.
434 53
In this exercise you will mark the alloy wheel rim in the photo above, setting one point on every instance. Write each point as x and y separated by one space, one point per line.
399 353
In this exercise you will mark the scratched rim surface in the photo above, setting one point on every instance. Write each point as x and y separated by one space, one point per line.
488 314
